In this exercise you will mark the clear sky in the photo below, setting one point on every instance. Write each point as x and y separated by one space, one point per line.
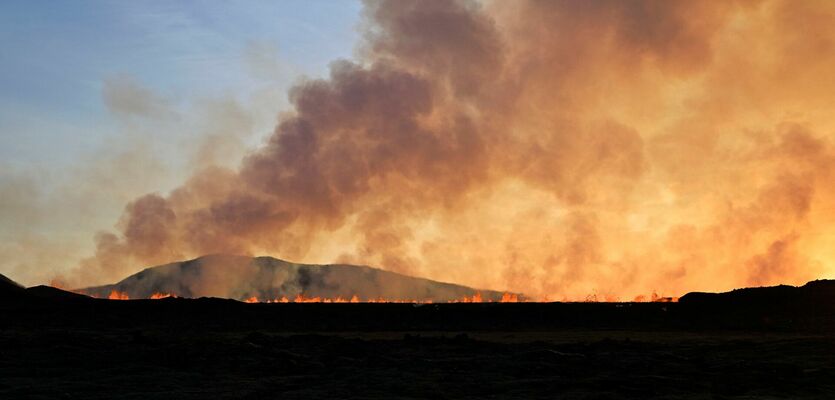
101 101
56 56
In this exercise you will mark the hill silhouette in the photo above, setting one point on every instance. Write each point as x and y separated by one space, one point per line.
812 294
52 293
9 288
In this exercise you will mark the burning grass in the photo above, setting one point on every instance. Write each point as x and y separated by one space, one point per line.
475 298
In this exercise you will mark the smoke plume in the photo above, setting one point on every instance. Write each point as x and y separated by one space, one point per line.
554 148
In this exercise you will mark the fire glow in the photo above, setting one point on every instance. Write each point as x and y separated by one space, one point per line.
476 298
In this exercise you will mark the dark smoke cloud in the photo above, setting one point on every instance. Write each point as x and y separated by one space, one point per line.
556 148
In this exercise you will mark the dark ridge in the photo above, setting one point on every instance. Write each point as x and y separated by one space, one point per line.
819 292
783 307
808 308
267 278
5 281
9 288
50 293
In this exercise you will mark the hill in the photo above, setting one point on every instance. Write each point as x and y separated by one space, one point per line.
267 278
814 295
9 288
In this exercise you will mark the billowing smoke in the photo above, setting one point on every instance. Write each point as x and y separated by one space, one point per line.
554 148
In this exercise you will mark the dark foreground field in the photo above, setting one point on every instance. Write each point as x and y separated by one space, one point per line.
742 346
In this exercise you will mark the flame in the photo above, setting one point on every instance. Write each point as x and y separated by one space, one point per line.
655 298
475 298
509 298
301 298
666 300
117 295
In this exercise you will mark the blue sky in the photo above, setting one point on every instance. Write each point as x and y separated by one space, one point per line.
56 56
103 101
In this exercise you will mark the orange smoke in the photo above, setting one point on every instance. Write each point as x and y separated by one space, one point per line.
552 148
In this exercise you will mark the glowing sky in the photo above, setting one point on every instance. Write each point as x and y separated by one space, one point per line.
555 148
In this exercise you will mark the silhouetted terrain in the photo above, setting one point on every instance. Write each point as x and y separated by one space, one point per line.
9 289
267 278
751 343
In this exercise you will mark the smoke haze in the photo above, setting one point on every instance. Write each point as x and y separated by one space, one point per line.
553 148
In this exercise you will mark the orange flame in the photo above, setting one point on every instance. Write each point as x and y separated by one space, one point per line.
117 295
655 298
475 298
301 298
509 298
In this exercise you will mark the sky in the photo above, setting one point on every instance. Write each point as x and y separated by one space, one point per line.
56 58
559 149
84 80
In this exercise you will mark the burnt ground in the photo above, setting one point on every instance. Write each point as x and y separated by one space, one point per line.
706 347
574 365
